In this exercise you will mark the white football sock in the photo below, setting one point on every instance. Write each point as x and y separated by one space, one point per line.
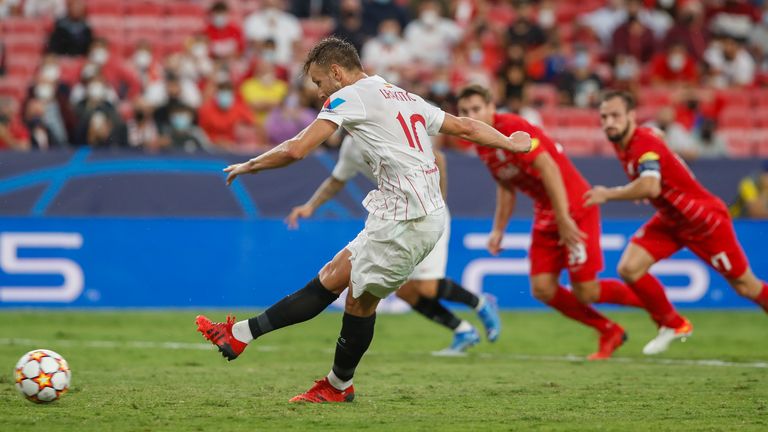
242 332
480 303
337 382
464 326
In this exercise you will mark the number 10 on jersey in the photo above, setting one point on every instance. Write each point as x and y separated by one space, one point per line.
415 118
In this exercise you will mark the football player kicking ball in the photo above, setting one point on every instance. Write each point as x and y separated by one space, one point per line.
428 284
566 235
687 215
406 211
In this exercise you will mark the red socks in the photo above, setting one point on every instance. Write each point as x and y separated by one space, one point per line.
616 292
762 298
567 304
650 291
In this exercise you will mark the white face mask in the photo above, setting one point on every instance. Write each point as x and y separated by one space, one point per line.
676 61
220 20
429 17
97 91
50 73
199 50
547 18
99 56
142 59
44 91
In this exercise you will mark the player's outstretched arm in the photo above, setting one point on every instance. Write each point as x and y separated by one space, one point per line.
505 206
327 190
643 187
287 152
480 133
569 232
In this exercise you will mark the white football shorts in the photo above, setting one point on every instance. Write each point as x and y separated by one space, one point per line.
386 252
433 266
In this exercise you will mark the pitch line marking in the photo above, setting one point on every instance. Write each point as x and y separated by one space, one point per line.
270 348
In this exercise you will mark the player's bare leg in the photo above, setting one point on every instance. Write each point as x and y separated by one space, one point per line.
232 337
749 286
546 288
633 268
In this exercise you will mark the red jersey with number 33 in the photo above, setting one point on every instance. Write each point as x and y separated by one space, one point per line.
683 201
516 169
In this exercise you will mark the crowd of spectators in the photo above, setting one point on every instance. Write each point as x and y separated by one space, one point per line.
235 85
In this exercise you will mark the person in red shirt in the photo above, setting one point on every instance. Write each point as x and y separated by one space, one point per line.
687 215
226 38
566 235
220 115
674 66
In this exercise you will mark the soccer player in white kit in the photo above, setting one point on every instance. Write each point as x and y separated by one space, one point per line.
406 210
427 285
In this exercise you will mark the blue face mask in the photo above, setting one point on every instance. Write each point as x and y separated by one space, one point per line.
225 99
181 122
440 88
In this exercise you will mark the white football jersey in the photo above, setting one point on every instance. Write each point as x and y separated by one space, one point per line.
392 129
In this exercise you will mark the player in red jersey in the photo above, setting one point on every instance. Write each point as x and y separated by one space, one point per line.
687 215
566 235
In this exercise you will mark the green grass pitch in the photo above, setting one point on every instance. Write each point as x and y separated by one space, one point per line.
149 371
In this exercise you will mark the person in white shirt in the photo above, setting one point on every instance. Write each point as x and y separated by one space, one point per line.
427 285
387 54
273 23
432 37
731 65
407 216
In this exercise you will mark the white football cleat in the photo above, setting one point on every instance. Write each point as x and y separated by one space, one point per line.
666 336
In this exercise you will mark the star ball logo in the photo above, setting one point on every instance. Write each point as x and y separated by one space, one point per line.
330 105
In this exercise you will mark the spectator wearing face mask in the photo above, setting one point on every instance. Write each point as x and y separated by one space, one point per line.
99 125
263 91
674 66
579 86
114 70
174 99
71 34
349 23
287 119
626 73
431 36
709 143
525 30
184 135
271 22
225 37
13 134
222 114
150 73
386 54
689 28
53 94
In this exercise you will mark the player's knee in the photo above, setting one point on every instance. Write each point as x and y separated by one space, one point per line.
745 287
630 272
543 291
585 294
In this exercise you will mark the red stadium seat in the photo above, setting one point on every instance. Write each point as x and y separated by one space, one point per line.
734 98
145 8
18 25
544 95
760 97
316 28
655 97
115 8
760 138
740 142
14 86
736 118
184 9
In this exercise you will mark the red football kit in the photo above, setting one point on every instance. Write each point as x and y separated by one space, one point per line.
687 214
516 171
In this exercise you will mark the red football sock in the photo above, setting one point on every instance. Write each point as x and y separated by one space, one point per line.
567 304
762 298
650 291
616 292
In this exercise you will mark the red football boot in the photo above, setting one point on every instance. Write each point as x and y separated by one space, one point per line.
323 392
610 341
220 334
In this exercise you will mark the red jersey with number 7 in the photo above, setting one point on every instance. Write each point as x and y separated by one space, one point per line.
516 170
683 202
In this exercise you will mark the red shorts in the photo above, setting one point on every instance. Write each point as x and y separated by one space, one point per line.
717 246
547 256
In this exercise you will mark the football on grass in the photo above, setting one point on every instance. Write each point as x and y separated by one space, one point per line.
42 375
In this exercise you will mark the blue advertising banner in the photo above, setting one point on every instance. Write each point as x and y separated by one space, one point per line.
109 262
